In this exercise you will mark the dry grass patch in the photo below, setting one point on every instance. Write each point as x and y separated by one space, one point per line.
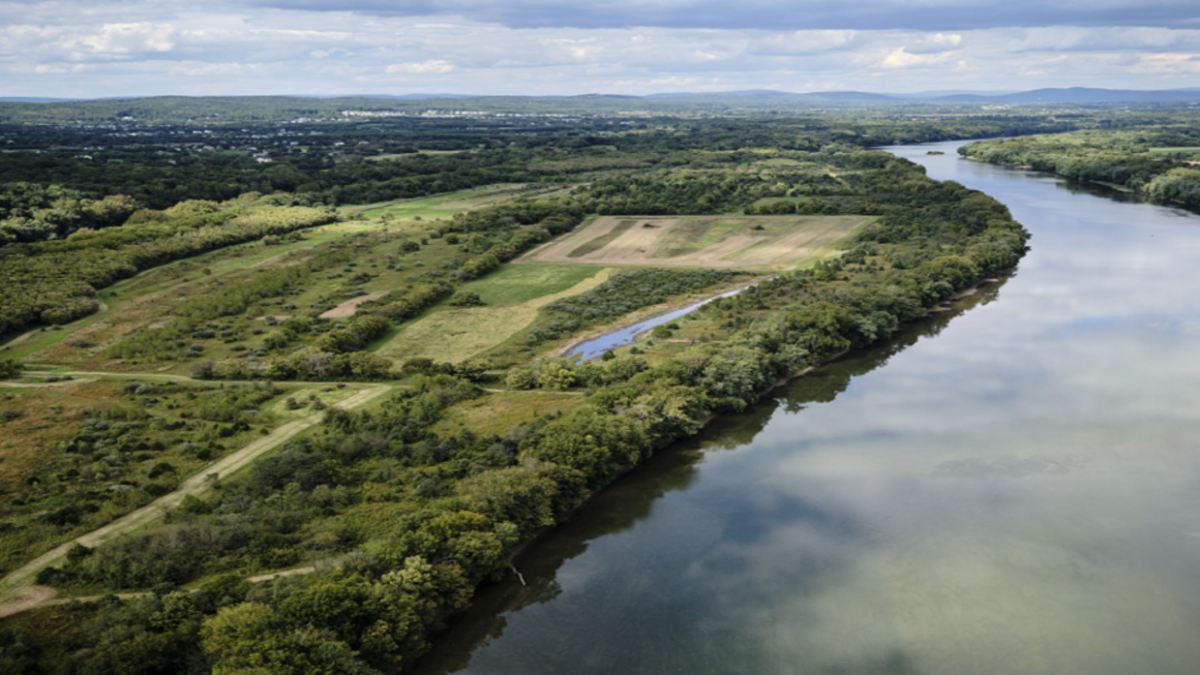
768 242
348 307
102 334
49 414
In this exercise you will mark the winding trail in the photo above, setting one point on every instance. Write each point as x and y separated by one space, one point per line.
18 594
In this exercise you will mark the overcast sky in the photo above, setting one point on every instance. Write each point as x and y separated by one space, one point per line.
95 48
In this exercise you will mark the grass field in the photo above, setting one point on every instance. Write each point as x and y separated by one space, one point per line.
759 242
516 284
498 412
455 335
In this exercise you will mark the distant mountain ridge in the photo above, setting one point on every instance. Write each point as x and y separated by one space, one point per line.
1084 95
1049 95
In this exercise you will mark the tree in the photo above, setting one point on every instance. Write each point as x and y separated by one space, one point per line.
10 369
520 378
556 376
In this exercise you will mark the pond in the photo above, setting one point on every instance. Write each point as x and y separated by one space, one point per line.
1009 487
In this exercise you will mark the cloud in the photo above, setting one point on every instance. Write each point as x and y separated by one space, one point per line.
933 15
794 43
1077 38
933 44
326 53
433 66
902 59
126 38
317 47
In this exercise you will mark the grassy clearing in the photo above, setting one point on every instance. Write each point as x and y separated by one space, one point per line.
442 205
496 413
755 242
456 335
516 284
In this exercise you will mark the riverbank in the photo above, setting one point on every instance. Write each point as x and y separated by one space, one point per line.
653 315
566 517
1111 186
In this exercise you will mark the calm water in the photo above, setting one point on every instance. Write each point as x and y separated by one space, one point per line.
627 336
1013 487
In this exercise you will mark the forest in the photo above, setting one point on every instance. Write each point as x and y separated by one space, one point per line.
254 309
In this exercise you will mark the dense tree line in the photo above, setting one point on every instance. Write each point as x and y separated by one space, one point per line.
1157 161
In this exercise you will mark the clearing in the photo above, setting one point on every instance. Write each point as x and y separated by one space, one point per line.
458 334
757 242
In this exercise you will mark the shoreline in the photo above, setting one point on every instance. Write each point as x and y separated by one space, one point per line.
565 517
570 348
1110 186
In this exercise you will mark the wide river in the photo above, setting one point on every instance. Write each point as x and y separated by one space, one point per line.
1012 487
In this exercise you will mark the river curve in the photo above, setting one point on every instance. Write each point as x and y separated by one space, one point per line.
1010 487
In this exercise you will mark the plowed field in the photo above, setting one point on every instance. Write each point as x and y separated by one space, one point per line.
762 242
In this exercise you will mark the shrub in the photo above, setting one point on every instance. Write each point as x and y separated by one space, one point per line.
520 378
466 299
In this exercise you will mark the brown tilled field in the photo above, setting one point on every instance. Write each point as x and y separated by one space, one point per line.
770 242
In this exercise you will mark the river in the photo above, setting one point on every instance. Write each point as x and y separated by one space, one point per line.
1009 487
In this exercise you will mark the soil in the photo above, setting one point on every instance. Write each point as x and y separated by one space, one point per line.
347 308
25 598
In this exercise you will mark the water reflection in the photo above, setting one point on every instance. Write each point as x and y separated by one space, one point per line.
744 523
1018 491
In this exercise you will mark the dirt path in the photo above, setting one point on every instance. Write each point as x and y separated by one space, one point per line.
20 338
26 598
15 585
347 308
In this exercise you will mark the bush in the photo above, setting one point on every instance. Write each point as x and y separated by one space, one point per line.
520 378
466 299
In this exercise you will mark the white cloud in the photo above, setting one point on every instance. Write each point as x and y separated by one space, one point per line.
932 44
133 44
902 59
432 66
125 38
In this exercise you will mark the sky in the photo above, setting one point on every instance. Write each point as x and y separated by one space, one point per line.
98 48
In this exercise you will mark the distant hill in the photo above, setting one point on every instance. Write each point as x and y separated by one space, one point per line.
942 93
1051 95
1083 95
33 99
411 97
746 92
239 109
